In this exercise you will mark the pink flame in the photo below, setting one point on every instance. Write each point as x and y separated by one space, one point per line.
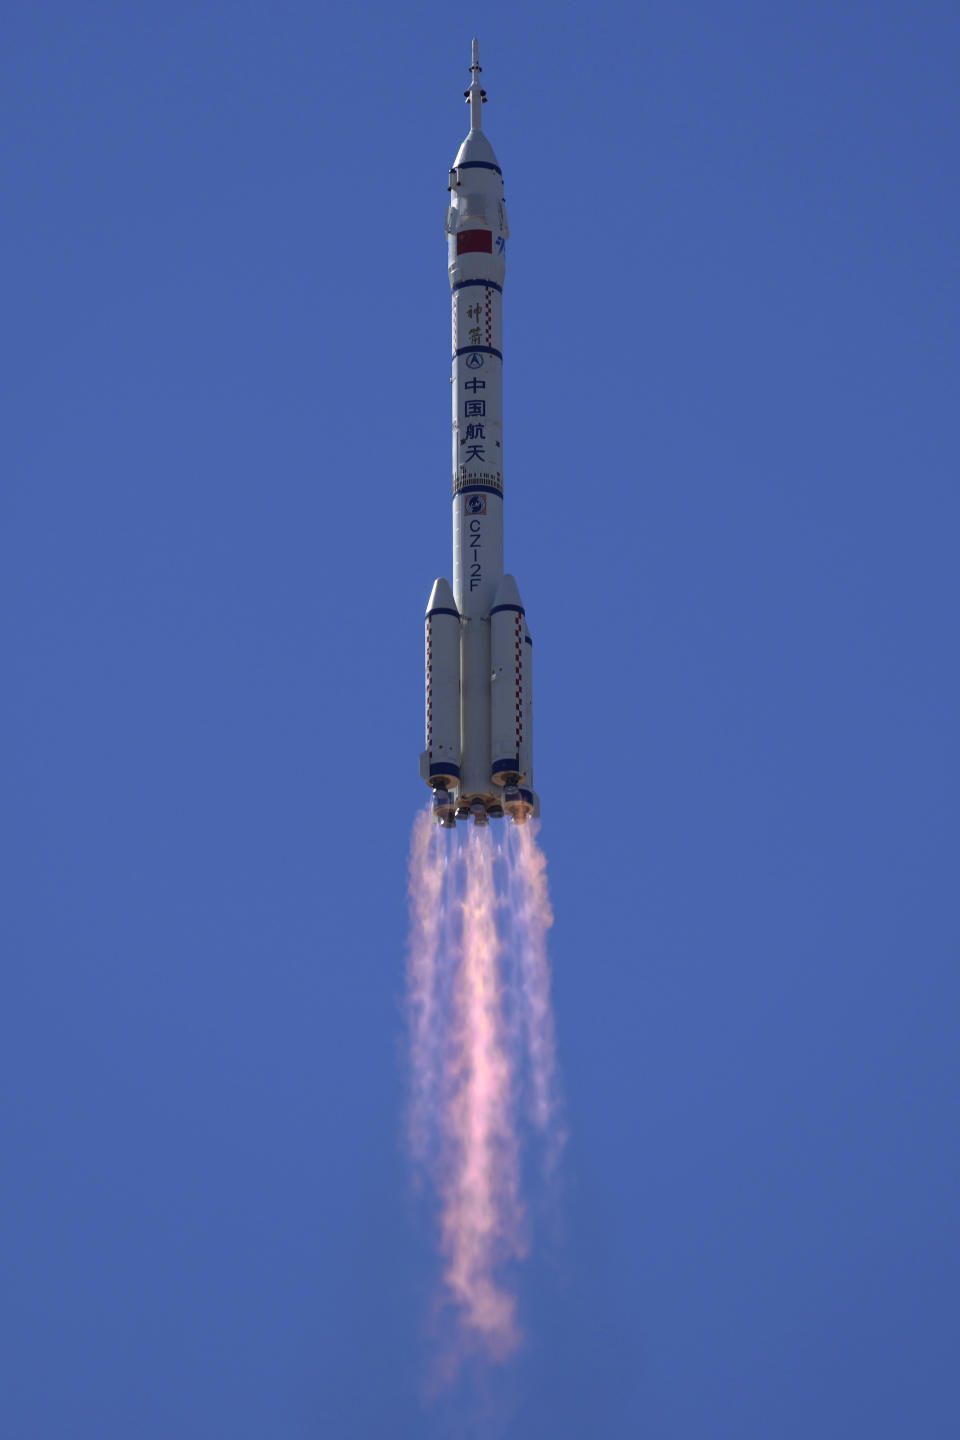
481 1211
465 974
532 916
426 913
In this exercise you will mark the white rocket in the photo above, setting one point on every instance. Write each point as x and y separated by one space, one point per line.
479 722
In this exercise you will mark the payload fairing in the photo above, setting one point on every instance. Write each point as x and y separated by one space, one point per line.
479 702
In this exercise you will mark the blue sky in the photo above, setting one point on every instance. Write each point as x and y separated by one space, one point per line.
731 505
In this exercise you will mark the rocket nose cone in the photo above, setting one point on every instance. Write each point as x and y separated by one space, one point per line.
476 150
441 597
507 596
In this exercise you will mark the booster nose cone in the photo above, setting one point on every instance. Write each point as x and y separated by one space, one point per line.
441 600
507 596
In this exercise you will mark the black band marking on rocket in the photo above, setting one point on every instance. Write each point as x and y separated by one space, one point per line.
445 770
490 284
478 165
497 608
478 490
529 639
443 610
474 349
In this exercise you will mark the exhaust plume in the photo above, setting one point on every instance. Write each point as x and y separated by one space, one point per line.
482 1055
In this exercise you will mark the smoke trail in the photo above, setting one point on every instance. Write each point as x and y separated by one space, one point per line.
480 1223
424 893
479 915
532 916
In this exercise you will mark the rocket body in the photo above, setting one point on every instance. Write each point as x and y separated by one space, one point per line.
477 644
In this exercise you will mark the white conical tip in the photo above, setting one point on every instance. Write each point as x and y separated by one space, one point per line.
441 597
507 593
